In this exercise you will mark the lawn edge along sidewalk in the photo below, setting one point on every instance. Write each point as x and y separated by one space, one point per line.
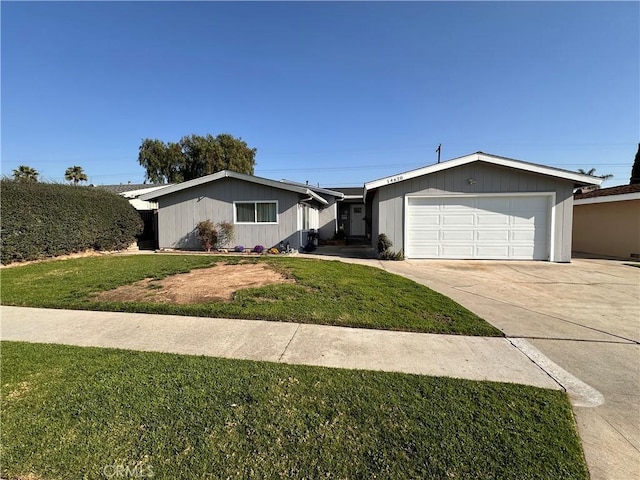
474 358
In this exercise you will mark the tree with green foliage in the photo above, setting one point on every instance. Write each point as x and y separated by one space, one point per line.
25 173
592 172
75 174
635 171
194 156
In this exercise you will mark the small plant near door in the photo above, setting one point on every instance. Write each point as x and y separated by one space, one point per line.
384 249
207 234
340 234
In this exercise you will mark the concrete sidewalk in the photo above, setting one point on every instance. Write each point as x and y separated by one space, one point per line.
475 358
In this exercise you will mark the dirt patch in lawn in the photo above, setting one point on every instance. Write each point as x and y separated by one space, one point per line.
203 285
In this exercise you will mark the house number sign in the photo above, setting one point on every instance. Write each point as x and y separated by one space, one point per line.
399 178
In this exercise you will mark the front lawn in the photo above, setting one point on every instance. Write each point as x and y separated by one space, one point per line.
72 412
324 292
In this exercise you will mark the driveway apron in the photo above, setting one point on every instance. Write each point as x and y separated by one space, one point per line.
584 317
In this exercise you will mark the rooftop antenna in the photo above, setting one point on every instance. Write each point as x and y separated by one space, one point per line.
438 150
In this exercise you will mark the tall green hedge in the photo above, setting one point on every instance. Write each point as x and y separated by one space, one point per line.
42 220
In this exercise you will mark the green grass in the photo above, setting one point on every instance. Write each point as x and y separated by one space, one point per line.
325 292
72 412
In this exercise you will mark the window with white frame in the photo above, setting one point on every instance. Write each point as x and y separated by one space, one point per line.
256 212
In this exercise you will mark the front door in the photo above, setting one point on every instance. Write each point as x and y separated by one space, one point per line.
357 227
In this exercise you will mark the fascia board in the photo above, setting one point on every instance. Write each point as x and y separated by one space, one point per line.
608 198
142 191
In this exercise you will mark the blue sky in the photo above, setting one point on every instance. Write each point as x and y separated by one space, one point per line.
333 93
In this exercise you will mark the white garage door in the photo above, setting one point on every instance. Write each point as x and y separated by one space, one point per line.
495 227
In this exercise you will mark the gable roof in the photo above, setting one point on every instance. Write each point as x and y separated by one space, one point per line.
239 176
578 179
611 194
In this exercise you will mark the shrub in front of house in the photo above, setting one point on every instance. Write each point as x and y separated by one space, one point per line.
258 249
391 255
384 243
207 234
239 248
226 234
384 249
41 220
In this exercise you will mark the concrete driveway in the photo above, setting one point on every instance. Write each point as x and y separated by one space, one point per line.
584 316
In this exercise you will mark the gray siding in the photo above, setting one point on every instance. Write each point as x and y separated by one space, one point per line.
388 201
179 213
328 216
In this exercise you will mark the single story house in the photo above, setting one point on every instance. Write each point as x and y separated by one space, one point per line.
264 212
606 222
479 206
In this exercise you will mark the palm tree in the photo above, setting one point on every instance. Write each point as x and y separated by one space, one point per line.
75 174
25 173
592 172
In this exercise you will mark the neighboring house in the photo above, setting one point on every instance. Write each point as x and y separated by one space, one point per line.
606 222
263 211
146 209
479 206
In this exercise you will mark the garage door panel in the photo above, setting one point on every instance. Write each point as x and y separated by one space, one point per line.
456 235
520 252
492 235
454 203
427 251
426 236
492 251
457 219
530 219
498 205
503 227
527 236
425 220
456 251
492 219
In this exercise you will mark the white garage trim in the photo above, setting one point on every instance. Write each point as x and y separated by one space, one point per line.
464 208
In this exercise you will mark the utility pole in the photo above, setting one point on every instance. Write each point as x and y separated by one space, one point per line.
438 150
